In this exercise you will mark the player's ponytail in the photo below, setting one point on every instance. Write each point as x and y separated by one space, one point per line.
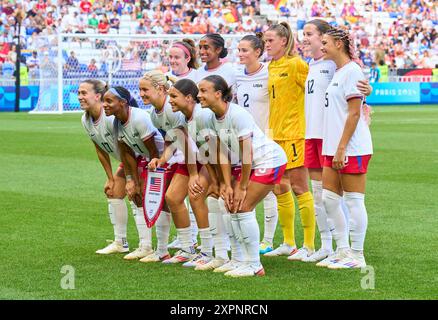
188 88
256 42
99 86
221 85
158 78
347 41
189 48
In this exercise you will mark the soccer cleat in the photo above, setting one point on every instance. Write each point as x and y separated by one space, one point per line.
335 257
351 261
139 253
200 259
265 247
300 254
318 255
231 265
213 264
175 244
282 250
246 270
155 257
179 257
114 247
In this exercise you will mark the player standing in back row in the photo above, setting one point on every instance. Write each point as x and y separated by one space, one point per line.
287 76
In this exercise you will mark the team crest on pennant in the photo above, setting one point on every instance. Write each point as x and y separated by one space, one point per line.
153 195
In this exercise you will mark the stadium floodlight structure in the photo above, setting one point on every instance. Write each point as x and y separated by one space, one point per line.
118 59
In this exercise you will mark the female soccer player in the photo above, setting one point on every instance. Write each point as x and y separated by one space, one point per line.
347 147
136 134
154 88
100 128
287 75
258 163
321 72
183 64
252 94
212 50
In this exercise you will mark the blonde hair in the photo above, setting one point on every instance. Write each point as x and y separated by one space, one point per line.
158 78
283 30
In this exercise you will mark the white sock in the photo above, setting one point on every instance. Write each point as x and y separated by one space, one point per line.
162 229
249 229
144 233
321 216
236 248
358 219
185 238
271 217
217 228
193 224
118 212
206 241
345 211
332 204
235 226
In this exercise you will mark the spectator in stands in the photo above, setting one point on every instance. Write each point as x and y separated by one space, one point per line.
92 66
85 6
8 69
103 26
93 22
115 21
33 63
374 73
426 62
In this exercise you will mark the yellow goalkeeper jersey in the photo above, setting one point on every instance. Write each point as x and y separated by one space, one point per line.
287 77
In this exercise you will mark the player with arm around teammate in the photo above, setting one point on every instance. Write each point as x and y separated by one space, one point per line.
154 88
320 74
100 128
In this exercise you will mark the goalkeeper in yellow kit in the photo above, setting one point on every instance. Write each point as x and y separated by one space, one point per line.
287 76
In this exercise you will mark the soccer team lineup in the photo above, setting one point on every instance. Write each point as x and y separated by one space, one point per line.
218 141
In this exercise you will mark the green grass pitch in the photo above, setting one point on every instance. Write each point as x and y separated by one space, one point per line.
53 213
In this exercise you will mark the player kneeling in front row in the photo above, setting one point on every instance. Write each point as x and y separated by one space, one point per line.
258 165
101 131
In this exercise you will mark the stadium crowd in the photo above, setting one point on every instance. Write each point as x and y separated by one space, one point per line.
408 41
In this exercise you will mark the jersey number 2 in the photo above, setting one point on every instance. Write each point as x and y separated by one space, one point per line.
245 103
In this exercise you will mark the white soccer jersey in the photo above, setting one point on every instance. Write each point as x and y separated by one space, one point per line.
200 129
342 88
189 75
167 120
318 79
138 128
237 124
102 133
252 93
225 70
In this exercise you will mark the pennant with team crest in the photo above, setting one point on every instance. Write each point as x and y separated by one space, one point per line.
154 193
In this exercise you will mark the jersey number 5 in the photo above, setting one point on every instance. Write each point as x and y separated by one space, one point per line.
326 99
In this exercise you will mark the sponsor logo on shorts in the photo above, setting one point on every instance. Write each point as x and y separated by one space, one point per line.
335 84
